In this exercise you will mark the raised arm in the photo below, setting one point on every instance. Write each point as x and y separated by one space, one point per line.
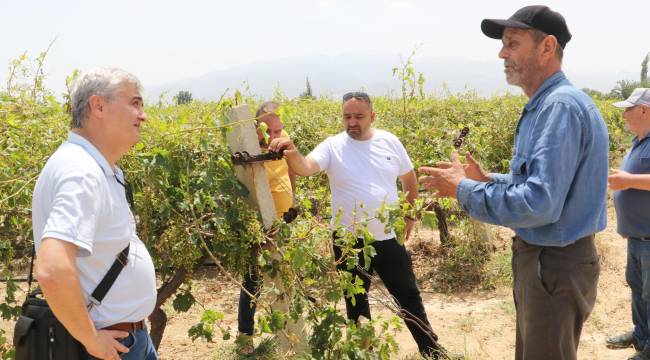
299 164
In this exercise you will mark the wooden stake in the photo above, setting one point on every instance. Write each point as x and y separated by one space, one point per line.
243 137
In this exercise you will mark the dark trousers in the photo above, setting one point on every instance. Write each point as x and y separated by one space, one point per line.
554 290
393 265
246 311
637 274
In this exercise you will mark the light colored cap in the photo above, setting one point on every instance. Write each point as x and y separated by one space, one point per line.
640 96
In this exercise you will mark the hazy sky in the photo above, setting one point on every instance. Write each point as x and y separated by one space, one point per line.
161 41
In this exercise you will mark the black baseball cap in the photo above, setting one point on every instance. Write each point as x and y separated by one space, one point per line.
537 17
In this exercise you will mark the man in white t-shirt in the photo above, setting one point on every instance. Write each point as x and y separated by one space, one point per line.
82 221
363 165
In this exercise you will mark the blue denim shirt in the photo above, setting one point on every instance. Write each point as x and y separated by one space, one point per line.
633 205
556 191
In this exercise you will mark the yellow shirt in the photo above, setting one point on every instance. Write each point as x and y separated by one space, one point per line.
278 174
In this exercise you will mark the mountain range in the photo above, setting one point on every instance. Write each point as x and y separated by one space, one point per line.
336 75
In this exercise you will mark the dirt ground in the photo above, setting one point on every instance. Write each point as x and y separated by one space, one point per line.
478 324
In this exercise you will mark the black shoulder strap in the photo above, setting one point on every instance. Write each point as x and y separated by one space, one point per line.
120 262
102 289
31 270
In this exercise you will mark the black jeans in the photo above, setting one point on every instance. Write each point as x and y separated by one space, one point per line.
395 268
555 291
246 313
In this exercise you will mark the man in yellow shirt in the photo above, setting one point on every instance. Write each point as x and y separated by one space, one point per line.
281 179
282 182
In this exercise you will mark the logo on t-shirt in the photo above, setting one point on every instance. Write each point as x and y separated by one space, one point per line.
387 157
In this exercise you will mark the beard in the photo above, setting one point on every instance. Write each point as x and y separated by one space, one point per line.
354 132
522 72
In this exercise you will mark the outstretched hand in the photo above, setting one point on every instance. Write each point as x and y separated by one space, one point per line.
445 178
472 169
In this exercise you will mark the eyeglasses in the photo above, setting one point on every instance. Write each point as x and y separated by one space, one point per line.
359 95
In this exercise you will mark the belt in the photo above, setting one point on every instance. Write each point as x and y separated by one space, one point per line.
644 238
127 326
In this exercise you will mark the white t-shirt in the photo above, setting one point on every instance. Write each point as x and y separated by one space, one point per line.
362 173
77 199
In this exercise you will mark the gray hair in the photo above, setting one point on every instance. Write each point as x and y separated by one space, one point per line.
267 107
103 82
539 35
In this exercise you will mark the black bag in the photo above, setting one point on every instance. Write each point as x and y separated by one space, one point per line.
38 334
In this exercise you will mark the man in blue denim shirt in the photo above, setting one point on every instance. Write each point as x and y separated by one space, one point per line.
631 187
555 194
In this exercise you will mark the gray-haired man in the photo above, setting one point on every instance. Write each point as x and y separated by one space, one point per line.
82 221
631 187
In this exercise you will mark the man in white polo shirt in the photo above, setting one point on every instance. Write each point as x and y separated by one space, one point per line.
82 221
363 165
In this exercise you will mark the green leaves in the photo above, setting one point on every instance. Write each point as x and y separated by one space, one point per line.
205 328
272 323
277 321
183 301
264 129
429 219
337 338
238 98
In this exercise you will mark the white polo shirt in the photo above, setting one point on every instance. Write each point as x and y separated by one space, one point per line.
77 199
363 176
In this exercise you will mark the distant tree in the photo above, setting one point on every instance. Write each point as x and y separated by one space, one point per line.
645 81
599 95
183 97
307 94
624 88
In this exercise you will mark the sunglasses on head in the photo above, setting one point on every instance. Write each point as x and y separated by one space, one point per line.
359 95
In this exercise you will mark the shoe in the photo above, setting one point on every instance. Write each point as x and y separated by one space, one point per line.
640 355
622 341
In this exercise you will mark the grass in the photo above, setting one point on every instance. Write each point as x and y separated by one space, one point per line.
461 261
507 307
498 270
603 249
416 356
467 323
597 322
265 350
